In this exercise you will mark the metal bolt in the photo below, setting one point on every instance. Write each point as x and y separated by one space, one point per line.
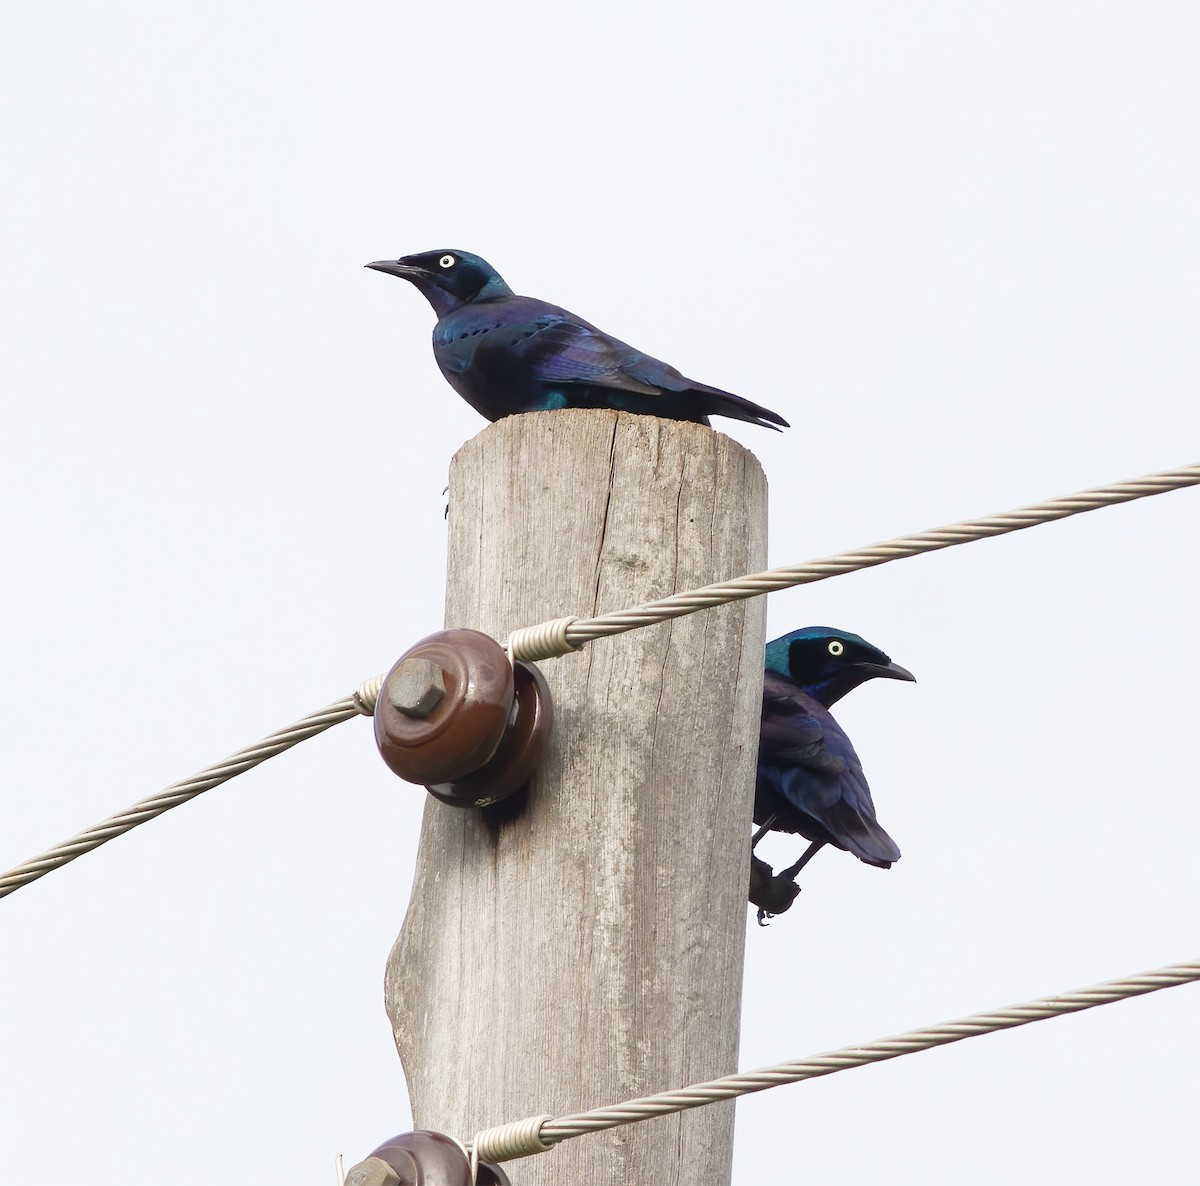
372 1172
416 687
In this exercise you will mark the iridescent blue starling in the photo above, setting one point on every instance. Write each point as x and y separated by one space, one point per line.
505 353
810 780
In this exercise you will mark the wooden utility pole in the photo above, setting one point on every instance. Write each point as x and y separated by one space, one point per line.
589 948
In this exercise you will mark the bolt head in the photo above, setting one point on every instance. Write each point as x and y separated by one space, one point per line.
372 1172
416 687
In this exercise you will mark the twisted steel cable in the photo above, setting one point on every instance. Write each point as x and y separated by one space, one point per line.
179 792
564 635
536 1134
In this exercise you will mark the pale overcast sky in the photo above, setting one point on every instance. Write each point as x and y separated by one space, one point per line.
954 243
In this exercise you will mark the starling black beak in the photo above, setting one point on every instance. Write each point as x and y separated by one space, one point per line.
395 267
888 671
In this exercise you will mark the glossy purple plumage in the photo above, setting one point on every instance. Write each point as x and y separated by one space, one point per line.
810 780
506 354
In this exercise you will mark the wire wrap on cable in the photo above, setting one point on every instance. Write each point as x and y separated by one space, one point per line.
366 696
547 640
506 1142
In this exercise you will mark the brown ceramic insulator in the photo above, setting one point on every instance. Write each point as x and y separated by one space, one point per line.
425 1158
465 726
521 748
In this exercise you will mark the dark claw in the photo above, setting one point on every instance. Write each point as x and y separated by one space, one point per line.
772 893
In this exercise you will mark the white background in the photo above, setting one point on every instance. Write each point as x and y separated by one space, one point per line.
955 244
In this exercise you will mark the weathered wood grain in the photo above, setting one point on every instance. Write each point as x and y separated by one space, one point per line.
589 948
